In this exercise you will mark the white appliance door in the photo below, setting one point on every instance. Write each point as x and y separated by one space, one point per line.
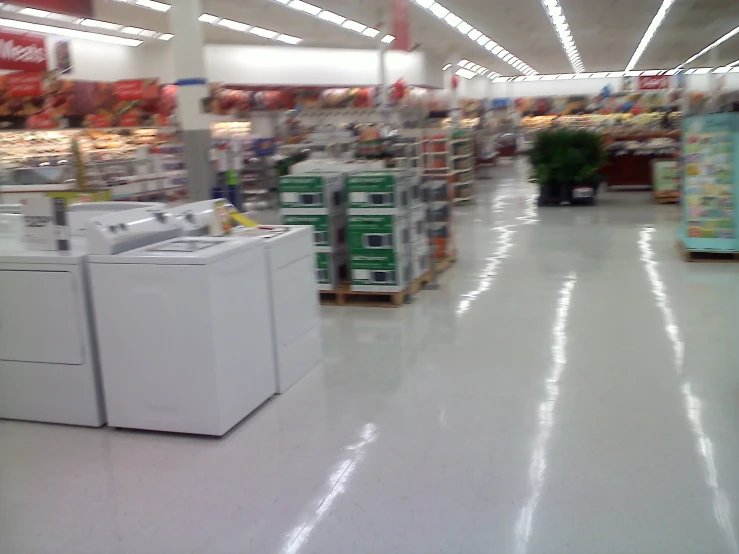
295 300
39 317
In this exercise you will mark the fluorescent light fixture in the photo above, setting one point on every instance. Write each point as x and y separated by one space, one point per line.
34 12
670 72
425 3
148 34
649 33
447 66
533 77
483 71
470 65
353 26
600 75
462 63
507 58
370 32
438 10
153 5
207 18
702 70
304 7
234 25
724 69
266 33
474 34
387 39
653 72
466 73
548 77
713 45
464 27
490 45
559 22
131 30
566 76
331 17
521 78
616 74
497 50
73 33
453 19
165 36
288 39
583 75
483 40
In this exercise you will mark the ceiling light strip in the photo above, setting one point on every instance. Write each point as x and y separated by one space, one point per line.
441 12
468 70
653 26
240 27
62 31
710 47
153 5
561 27
335 18
84 22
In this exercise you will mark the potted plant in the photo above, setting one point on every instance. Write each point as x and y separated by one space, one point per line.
566 163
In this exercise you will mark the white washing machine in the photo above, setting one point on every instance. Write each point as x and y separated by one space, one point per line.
296 316
183 328
295 313
48 360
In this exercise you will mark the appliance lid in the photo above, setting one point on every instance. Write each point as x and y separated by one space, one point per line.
16 251
183 251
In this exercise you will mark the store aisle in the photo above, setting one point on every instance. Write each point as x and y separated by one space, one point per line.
572 388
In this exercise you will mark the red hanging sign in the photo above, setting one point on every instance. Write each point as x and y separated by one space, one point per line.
25 84
136 89
22 52
82 8
401 25
659 82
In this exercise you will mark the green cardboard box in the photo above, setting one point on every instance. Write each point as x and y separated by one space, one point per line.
331 269
369 233
380 271
382 191
312 193
329 230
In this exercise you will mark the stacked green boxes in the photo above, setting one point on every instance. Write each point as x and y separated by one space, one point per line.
386 229
319 199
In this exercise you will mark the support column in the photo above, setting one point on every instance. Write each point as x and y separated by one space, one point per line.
454 111
190 76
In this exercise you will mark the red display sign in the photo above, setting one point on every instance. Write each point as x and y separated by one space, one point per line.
401 25
136 89
41 121
22 52
73 7
659 82
25 84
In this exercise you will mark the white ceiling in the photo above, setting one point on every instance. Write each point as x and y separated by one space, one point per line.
606 32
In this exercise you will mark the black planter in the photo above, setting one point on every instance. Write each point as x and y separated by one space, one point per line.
553 193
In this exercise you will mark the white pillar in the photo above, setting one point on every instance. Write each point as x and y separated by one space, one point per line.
190 76
454 111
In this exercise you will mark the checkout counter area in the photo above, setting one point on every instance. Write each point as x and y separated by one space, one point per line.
154 318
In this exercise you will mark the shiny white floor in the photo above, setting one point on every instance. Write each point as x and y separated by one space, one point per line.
572 388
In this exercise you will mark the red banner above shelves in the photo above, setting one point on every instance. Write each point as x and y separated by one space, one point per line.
25 84
82 8
136 89
22 52
401 25
661 82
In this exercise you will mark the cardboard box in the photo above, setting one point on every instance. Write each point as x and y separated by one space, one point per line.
383 191
420 263
371 233
380 271
417 222
312 193
332 268
437 191
329 230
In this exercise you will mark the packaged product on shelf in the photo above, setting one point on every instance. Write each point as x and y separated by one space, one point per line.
420 259
378 232
417 223
380 271
331 269
387 191
317 193
329 230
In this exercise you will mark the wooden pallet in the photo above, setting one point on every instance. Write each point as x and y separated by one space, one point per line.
442 264
708 256
666 200
344 296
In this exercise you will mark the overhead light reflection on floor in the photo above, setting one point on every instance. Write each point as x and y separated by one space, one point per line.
693 410
538 460
337 482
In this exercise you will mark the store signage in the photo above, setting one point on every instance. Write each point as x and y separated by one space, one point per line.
136 89
41 121
19 51
25 83
401 26
73 7
660 82
45 222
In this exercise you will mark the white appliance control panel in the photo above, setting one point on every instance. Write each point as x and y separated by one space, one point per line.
122 231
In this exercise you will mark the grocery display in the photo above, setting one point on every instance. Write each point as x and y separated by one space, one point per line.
451 156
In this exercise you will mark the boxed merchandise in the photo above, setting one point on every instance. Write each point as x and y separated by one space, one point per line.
438 191
368 233
331 269
420 261
312 193
442 242
329 230
439 211
380 271
387 191
335 165
417 222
